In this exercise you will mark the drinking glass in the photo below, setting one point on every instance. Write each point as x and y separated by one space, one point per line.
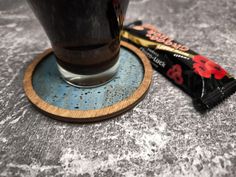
85 37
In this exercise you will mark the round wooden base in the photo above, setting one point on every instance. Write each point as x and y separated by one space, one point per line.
47 91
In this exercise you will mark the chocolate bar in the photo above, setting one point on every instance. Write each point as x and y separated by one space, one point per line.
198 76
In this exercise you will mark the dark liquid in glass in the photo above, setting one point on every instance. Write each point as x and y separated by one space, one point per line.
85 34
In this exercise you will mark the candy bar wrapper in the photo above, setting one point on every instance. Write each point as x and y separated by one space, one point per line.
198 76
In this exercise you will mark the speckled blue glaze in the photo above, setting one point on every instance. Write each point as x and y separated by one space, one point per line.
53 89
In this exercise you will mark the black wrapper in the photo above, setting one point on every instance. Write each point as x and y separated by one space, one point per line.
201 78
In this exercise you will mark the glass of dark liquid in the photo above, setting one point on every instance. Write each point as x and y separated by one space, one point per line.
85 37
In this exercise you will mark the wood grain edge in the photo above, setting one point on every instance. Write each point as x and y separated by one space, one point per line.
88 115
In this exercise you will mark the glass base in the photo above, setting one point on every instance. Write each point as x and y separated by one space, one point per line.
88 81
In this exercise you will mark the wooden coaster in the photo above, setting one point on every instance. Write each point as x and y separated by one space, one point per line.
47 91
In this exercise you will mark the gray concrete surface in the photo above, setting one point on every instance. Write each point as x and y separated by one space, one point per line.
162 136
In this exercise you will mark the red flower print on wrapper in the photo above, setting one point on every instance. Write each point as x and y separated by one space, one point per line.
178 78
215 69
170 73
177 69
206 68
200 59
175 73
201 70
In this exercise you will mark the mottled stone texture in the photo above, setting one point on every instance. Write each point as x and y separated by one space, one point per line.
162 136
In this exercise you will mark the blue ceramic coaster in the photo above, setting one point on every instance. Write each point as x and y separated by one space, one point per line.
57 98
